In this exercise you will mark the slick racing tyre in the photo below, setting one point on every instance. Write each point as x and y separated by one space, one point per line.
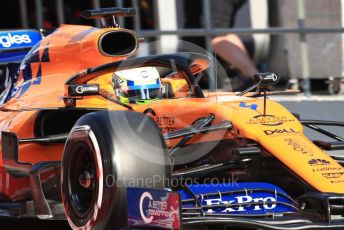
105 153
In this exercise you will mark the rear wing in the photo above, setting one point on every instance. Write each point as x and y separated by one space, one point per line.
15 44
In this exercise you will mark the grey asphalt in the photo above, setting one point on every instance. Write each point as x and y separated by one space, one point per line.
318 108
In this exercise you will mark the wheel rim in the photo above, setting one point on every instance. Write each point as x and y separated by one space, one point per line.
82 183
335 89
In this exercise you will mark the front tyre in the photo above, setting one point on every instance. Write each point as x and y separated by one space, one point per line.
105 153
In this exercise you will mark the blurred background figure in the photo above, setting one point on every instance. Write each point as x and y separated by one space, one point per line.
230 47
235 53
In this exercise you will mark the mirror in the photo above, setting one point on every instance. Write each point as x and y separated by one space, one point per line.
266 78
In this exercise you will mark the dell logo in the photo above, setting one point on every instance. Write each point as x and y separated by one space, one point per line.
279 131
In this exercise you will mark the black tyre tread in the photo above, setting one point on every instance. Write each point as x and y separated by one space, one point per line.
128 141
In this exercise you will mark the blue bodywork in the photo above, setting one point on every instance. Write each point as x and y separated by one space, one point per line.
14 45
238 198
165 209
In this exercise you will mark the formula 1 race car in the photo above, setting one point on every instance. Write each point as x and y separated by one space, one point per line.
108 142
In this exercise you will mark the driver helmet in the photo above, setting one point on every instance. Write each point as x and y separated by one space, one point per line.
139 85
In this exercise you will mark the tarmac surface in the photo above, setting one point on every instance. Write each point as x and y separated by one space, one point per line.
316 108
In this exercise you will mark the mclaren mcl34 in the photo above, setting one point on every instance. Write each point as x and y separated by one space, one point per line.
110 142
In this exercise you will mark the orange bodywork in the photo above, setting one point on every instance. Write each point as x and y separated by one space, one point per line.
72 49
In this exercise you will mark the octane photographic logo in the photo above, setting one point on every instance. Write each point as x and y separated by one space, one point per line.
8 40
177 115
